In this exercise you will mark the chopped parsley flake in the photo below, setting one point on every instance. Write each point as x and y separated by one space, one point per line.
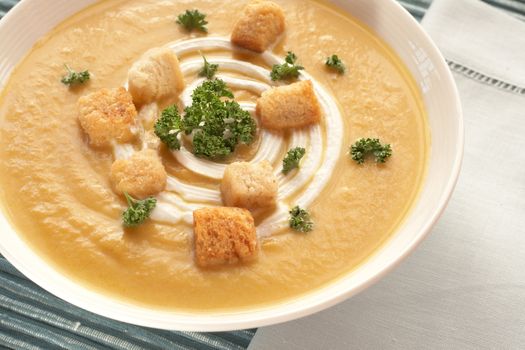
138 210
334 62
365 147
75 78
300 220
287 70
193 19
208 70
292 159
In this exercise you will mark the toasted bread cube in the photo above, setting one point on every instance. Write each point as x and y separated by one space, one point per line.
290 106
248 185
224 236
259 25
155 76
107 115
141 175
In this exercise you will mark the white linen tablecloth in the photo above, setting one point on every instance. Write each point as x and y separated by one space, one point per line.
464 287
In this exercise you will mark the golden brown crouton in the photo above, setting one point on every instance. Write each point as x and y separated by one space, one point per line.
155 76
249 185
290 106
259 25
223 236
106 115
141 175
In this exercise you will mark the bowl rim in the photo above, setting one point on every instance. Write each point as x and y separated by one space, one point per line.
275 313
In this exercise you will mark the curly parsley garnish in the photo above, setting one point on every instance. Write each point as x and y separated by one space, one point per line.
335 63
168 127
208 70
300 220
138 210
292 159
217 125
365 147
74 78
287 70
193 19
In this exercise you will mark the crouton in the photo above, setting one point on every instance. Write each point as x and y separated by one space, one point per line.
107 115
224 236
155 76
141 175
259 25
290 106
249 185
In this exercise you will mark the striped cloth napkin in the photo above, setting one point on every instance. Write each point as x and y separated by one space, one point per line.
31 318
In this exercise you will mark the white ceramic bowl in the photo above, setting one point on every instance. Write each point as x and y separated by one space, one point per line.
31 19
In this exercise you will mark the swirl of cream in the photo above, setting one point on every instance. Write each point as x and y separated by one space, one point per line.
322 142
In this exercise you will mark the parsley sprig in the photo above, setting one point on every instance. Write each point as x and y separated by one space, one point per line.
300 220
169 126
73 78
193 19
292 159
138 210
217 125
208 70
287 70
334 62
367 146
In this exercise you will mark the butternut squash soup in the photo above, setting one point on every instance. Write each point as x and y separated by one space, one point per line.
210 155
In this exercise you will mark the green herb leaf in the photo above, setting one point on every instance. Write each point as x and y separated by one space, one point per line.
138 210
193 19
290 58
210 89
335 63
168 127
209 146
74 78
292 159
300 220
365 147
208 70
218 126
287 70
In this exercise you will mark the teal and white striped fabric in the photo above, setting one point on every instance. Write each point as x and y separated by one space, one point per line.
31 318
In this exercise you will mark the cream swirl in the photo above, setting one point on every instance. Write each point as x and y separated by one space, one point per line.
322 142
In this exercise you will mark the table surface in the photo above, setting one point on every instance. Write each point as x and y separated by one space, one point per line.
31 318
